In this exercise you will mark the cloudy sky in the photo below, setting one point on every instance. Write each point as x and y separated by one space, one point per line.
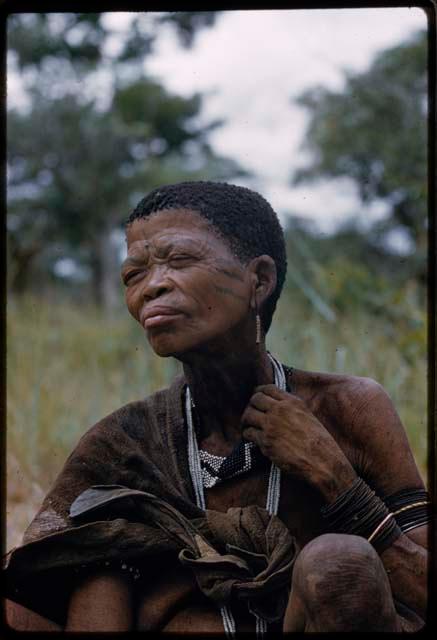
253 63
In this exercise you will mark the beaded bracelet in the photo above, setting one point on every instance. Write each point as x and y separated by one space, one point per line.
359 511
411 508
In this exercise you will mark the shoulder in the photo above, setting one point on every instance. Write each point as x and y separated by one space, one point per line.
128 419
136 418
359 411
346 395
126 439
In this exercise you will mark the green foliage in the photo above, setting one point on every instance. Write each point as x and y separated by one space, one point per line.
35 37
70 365
335 276
164 122
187 23
75 166
357 342
374 131
80 37
73 169
349 305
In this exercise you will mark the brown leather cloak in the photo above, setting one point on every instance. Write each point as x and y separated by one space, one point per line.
125 493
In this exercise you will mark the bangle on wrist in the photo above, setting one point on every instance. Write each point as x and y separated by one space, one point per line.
379 527
410 507
359 511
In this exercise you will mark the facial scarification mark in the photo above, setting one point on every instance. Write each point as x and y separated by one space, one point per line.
230 274
228 292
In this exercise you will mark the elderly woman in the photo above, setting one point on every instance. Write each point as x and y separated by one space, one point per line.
248 496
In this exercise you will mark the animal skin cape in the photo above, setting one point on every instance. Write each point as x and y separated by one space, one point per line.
125 494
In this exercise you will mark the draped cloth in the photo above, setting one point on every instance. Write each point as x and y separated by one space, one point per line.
125 494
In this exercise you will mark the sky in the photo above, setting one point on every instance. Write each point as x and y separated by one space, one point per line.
252 65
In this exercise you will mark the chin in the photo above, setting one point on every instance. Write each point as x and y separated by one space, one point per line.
184 344
166 345
164 351
169 344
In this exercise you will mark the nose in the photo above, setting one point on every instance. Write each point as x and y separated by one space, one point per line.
156 283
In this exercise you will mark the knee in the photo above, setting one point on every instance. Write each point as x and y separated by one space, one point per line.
337 572
337 545
334 557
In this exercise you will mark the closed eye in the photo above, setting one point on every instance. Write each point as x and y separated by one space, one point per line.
128 277
180 259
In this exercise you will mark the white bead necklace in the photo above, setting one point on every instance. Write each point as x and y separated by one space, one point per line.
273 491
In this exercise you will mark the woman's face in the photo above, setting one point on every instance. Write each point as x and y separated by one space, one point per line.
184 286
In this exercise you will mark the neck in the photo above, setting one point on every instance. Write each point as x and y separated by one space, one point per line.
221 388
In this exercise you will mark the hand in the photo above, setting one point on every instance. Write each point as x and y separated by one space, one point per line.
287 433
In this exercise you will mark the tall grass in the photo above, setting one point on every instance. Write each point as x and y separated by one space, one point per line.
70 365
361 344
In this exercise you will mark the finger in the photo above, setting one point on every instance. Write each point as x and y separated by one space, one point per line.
253 435
271 390
252 418
262 402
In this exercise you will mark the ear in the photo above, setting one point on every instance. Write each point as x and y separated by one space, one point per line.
263 275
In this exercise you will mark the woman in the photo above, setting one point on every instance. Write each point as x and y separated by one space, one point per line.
248 495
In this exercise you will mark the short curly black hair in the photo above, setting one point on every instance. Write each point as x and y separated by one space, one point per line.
243 218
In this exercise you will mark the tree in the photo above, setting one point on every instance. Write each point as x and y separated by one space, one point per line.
374 131
73 172
80 37
76 166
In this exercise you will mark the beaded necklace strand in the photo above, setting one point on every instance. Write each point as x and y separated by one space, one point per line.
273 491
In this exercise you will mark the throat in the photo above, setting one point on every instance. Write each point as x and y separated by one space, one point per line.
221 393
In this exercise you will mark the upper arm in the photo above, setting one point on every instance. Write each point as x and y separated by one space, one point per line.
389 462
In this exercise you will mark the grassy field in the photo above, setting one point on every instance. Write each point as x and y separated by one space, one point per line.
70 365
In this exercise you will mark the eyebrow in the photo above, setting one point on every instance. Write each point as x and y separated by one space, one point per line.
167 246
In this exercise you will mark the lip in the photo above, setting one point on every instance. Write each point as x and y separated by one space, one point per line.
158 316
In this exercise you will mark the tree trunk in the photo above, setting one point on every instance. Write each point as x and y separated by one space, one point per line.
19 266
106 271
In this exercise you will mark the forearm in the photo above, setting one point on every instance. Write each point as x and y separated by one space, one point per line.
404 556
406 564
333 478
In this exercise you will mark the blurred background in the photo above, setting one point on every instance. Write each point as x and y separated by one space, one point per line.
322 111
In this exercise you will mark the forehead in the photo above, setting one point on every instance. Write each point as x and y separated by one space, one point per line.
174 224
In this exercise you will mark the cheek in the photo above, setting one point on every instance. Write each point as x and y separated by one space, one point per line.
131 301
224 309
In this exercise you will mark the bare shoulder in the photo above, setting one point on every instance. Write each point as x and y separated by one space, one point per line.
328 392
361 415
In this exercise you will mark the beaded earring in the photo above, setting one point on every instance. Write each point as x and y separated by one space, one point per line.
258 328
257 319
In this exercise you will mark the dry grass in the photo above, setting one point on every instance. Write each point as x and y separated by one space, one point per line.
68 366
